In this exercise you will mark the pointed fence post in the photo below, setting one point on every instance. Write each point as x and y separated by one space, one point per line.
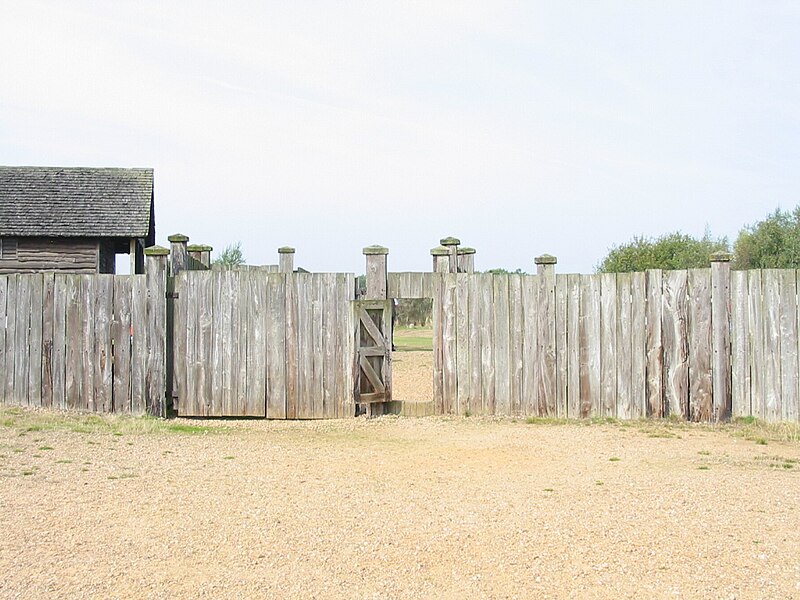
451 243
286 259
466 260
156 259
721 335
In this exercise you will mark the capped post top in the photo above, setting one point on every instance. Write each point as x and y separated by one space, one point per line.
440 251
466 250
721 257
545 259
156 251
375 249
178 237
199 248
450 241
285 250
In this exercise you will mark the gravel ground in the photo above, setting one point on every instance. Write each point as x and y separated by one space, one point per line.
396 508
412 376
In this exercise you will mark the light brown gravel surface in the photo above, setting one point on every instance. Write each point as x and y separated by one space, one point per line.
397 508
412 376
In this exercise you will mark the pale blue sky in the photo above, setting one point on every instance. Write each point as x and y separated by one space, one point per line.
520 127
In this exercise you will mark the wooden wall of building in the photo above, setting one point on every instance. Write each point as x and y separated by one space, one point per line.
33 255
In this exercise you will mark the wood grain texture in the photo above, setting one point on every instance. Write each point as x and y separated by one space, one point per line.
138 344
530 348
740 346
502 375
654 346
103 352
638 346
516 343
624 347
573 359
35 340
475 397
487 342
437 318
608 345
675 340
449 348
278 346
562 349
771 343
89 318
3 328
788 343
590 326
156 374
546 341
22 339
756 355
48 316
721 338
463 355
121 340
74 362
699 321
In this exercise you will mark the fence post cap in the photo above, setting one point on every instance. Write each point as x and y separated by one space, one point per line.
545 259
178 237
199 248
375 249
156 251
721 257
440 251
285 250
466 250
450 241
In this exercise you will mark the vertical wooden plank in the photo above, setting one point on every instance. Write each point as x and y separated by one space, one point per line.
438 343
10 338
486 299
348 349
638 346
74 339
328 306
546 341
516 342
138 344
220 329
530 349
121 339
180 334
281 348
608 344
590 325
88 291
35 340
103 371
624 349
156 374
3 327
562 348
740 346
304 346
317 399
463 350
721 336
292 357
788 342
23 360
449 349
502 375
185 344
230 345
48 307
573 359
243 303
202 303
756 355
675 339
256 403
655 406
772 346
59 356
475 398
699 322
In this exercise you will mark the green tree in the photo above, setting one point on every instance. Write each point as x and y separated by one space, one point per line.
232 256
670 251
773 243
501 271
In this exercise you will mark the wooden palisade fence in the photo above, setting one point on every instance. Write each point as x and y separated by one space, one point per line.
698 344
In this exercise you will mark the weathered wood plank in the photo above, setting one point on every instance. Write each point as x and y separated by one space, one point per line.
329 306
487 342
624 347
121 339
180 335
573 359
654 349
11 337
530 349
3 328
256 326
48 307
305 346
203 288
22 331
772 346
590 327
88 293
449 349
546 342
608 345
292 349
463 355
788 343
59 354
219 329
242 303
475 397
230 342
156 374
638 346
74 341
280 340
721 338
138 344
35 340
348 349
756 357
103 357
387 362
740 345
675 339
437 316
699 322
502 357
562 349
316 389
516 342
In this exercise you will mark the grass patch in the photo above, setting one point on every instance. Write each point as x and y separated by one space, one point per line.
614 459
410 339
45 448
704 468
191 429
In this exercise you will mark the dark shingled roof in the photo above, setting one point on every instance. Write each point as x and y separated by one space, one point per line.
76 202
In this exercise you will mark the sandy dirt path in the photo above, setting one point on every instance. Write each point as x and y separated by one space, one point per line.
397 508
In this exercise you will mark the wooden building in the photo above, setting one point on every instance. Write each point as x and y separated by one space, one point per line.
74 219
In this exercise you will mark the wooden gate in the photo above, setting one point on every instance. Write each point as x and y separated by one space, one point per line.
373 319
